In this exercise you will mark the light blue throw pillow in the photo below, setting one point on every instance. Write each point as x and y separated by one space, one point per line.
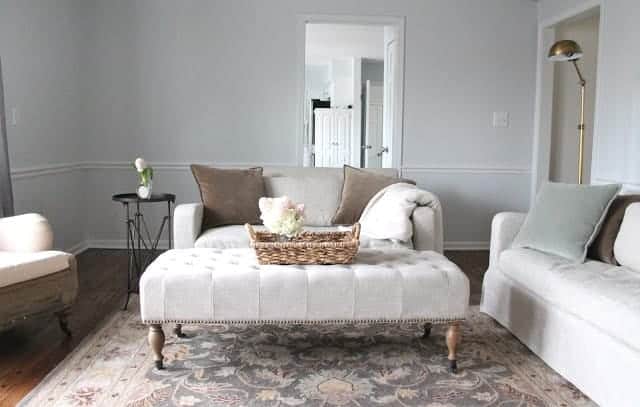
565 219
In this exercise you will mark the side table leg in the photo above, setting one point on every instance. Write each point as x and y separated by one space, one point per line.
156 341
453 337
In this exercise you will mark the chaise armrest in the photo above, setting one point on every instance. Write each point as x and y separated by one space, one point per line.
427 227
25 233
187 224
504 228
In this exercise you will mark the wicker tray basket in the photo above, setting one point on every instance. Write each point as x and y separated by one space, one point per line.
307 247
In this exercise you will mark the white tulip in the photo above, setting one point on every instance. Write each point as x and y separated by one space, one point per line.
140 164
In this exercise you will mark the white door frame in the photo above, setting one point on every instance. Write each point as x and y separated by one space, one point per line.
544 93
303 20
367 117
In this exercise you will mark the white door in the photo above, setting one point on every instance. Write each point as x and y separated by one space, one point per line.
333 137
374 96
392 66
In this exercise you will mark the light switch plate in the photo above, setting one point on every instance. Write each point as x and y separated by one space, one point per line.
500 119
13 118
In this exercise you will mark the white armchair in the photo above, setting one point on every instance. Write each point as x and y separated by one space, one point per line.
33 278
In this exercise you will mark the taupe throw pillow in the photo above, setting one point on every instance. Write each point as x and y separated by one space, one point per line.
358 188
602 247
229 196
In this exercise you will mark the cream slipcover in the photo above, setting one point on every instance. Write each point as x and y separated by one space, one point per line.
583 320
16 267
211 286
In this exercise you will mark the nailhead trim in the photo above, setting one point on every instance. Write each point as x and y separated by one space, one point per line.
435 321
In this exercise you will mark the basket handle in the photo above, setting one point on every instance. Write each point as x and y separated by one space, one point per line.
356 231
251 231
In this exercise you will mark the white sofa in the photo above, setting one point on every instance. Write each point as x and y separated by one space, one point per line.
581 319
319 189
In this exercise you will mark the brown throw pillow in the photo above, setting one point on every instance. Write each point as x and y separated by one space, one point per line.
357 190
602 247
230 196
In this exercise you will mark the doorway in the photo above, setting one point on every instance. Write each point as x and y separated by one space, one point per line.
352 91
563 160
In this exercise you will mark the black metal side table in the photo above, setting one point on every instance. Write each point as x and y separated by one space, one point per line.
142 247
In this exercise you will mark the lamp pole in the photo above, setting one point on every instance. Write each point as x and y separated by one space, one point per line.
582 84
567 50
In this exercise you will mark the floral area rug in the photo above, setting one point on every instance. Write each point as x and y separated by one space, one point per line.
384 365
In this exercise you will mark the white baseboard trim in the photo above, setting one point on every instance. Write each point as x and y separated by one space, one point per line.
78 248
466 246
116 244
122 244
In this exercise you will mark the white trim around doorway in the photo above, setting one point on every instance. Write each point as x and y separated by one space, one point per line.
304 19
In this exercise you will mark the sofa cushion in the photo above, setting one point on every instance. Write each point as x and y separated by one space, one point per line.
319 194
626 244
229 196
358 188
602 247
604 295
565 219
235 236
17 267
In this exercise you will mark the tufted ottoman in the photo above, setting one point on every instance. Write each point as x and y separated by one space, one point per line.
211 286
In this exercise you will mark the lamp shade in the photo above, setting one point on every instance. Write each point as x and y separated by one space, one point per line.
565 50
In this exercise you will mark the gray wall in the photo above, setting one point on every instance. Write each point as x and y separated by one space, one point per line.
216 82
372 70
43 47
316 80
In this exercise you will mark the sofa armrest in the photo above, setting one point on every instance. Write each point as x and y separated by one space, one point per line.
30 232
427 227
187 224
504 228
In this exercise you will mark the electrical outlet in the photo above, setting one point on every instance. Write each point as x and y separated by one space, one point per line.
500 119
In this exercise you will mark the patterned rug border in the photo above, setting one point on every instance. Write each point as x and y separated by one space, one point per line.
539 378
89 337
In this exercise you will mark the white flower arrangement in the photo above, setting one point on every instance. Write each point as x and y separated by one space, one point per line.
145 173
281 215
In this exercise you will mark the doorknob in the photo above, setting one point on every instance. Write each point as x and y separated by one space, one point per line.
384 150
366 147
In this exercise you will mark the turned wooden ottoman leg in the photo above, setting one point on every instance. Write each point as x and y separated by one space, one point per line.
427 330
64 322
453 337
177 330
156 341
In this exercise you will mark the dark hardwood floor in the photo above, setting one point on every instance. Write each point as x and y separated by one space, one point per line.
32 349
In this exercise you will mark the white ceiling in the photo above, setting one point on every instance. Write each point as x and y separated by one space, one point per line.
327 41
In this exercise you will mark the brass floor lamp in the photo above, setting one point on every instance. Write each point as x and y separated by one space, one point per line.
563 51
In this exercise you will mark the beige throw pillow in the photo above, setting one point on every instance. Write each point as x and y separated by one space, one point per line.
229 196
358 188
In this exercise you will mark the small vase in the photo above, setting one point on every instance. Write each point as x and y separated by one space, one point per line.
144 191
